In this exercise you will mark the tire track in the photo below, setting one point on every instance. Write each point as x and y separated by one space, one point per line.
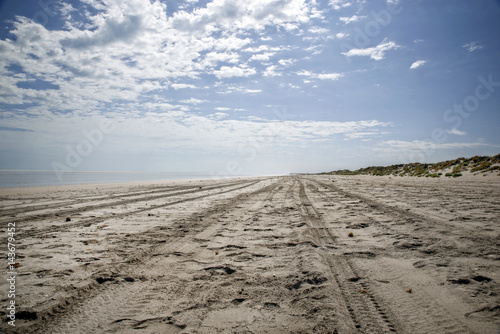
376 204
413 231
259 204
415 213
420 309
366 311
416 197
386 228
37 216
412 308
15 209
108 300
97 220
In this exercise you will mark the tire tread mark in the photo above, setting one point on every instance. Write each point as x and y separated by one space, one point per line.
90 199
97 220
104 205
378 205
439 321
380 225
366 311
97 293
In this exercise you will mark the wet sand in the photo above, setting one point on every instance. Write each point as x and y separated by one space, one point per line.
295 254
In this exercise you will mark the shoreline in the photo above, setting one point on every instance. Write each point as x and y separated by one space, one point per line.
64 187
33 178
112 184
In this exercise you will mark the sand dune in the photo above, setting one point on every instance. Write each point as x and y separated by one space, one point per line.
298 254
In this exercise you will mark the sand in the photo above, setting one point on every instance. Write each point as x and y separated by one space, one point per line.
295 254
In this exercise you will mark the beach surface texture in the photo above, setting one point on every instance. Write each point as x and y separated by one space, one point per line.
291 254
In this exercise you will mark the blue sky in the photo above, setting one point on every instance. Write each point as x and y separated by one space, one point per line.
246 87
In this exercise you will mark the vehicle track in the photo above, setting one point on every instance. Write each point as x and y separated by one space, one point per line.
366 310
370 211
33 214
376 204
97 220
413 315
13 209
125 289
293 262
417 231
422 311
413 195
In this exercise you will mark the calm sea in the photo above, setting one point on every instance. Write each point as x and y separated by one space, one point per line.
30 178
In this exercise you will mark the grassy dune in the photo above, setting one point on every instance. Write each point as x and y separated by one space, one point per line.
451 168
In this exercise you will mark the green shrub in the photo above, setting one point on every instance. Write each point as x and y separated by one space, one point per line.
483 165
491 169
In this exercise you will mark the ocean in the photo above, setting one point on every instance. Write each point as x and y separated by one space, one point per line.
30 178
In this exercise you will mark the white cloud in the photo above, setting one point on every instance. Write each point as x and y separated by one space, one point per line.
354 18
341 35
339 4
245 90
230 42
223 109
158 131
193 101
120 51
376 52
456 132
319 30
271 71
363 134
314 49
262 56
422 146
286 62
264 48
252 91
230 72
473 46
182 86
330 76
236 89
417 64
213 58
220 115
321 76
254 15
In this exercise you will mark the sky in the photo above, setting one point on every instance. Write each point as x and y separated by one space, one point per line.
246 87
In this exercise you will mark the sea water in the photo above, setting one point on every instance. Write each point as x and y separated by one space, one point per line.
30 178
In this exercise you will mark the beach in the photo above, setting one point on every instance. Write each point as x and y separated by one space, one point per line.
288 254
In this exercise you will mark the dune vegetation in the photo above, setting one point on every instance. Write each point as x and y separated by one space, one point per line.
451 168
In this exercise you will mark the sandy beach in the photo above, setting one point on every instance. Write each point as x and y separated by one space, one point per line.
293 254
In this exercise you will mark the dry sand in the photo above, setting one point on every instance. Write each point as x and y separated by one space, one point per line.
298 254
